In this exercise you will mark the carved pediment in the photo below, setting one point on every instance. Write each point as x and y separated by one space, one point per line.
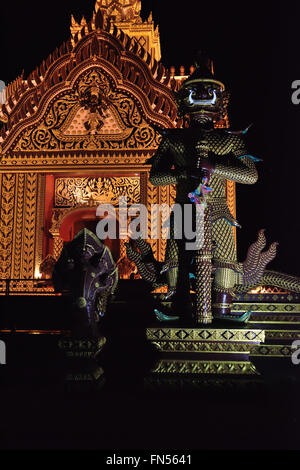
93 115
83 190
100 91
109 124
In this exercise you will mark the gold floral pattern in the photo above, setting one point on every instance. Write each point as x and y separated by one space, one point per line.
51 132
73 191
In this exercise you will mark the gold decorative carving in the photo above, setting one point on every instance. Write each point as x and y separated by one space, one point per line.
126 268
277 319
153 198
6 223
92 109
172 366
39 235
285 335
274 350
30 207
202 347
57 247
164 201
59 214
231 201
20 222
286 307
29 287
50 134
18 225
55 161
73 191
209 334
268 290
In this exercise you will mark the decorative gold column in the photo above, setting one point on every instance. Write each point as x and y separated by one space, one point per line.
39 232
152 198
57 217
159 195
18 226
8 182
21 221
29 226
123 247
57 246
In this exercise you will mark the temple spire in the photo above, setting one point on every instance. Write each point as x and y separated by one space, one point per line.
120 10
125 15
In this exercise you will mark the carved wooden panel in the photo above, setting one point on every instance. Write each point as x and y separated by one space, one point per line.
18 225
29 225
73 191
6 223
93 116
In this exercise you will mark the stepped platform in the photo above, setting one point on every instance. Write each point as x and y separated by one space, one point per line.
138 346
260 348
208 350
279 317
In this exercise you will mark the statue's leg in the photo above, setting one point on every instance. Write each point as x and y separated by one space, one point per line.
178 276
225 259
172 254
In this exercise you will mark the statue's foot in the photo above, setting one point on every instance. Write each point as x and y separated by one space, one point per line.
222 309
175 308
243 318
162 317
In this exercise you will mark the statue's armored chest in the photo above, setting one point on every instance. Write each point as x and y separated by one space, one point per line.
218 142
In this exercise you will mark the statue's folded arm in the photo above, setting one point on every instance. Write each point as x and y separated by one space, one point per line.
239 170
161 173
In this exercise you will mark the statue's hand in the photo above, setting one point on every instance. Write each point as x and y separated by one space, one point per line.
205 169
196 173
182 174
207 166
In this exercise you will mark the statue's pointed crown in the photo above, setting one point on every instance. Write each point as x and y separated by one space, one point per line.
204 71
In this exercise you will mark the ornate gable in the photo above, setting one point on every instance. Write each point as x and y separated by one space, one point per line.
94 115
95 94
122 10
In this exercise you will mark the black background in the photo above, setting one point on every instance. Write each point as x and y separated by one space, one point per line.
255 48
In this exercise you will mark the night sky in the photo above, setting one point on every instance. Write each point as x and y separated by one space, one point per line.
256 53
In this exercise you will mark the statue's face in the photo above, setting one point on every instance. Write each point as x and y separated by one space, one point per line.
202 97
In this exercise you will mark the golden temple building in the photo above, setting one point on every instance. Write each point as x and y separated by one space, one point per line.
77 132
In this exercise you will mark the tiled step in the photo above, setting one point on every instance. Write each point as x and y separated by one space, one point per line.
207 350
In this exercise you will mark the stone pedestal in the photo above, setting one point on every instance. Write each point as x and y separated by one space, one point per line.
194 351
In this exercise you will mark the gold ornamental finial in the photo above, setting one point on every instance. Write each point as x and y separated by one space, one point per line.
73 21
120 10
124 15
76 27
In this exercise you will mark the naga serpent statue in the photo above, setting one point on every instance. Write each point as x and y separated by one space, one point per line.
86 270
199 159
